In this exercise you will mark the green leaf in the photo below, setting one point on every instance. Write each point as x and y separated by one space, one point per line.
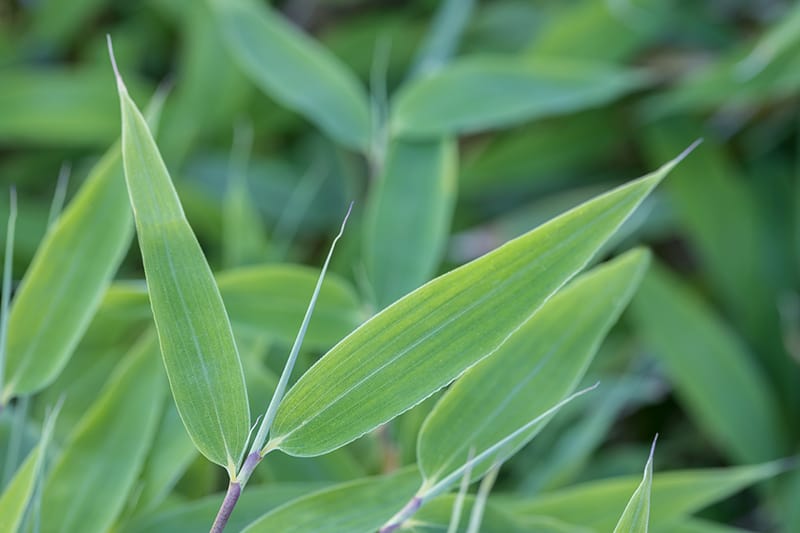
99 464
194 516
356 507
408 217
698 525
57 106
16 496
197 343
636 516
425 340
674 495
442 39
482 93
713 374
541 363
273 298
67 279
295 70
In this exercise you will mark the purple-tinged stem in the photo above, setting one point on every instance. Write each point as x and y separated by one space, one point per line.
234 490
225 510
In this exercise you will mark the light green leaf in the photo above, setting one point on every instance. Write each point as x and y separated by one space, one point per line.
100 462
408 216
541 362
674 495
273 298
67 279
713 374
480 93
197 343
698 525
16 496
636 516
355 507
295 70
424 341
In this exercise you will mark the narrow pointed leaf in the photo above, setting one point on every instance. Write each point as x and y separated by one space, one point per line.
441 42
424 341
15 498
67 279
482 93
197 343
295 70
674 495
540 363
409 217
357 507
636 516
93 476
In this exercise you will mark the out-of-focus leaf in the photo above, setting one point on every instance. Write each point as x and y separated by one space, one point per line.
540 363
599 31
408 217
66 281
205 74
55 23
480 93
15 498
295 70
273 299
356 507
98 466
698 525
713 373
196 515
636 516
58 107
441 42
194 332
424 341
170 455
674 495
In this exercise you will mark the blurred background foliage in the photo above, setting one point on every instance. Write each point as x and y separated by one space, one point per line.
708 354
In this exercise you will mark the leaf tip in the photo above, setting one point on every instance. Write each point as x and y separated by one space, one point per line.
117 75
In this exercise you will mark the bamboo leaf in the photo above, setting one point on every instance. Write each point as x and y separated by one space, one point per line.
356 507
714 376
69 274
636 516
425 340
538 365
197 343
280 59
90 482
408 216
674 495
480 93
15 498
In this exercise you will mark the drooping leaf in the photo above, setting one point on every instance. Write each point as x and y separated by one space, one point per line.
674 495
425 340
14 500
480 93
538 365
295 70
714 375
194 332
408 216
99 464
356 507
636 516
